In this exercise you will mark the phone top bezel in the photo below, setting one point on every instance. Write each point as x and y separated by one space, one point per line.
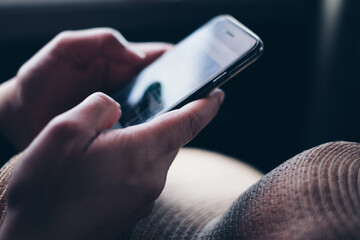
240 64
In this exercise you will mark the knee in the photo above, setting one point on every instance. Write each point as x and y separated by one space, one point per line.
328 175
320 190
314 195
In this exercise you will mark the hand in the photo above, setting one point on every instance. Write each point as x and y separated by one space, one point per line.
66 71
76 181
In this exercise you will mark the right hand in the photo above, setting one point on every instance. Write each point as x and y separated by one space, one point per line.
76 181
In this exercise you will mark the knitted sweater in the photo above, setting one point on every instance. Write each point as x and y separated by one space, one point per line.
315 195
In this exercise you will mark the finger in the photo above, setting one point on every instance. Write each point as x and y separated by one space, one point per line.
84 122
172 130
152 50
71 132
83 46
97 112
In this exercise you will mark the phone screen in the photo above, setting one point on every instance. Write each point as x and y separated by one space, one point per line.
181 71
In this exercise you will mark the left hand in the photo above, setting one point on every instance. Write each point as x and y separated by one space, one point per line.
67 70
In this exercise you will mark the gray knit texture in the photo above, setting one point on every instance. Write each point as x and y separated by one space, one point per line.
314 195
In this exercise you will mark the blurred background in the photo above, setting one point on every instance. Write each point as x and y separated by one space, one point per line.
303 91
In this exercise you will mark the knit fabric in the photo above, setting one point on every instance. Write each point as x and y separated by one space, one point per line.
5 174
315 195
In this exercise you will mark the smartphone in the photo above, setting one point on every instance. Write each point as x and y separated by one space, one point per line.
204 60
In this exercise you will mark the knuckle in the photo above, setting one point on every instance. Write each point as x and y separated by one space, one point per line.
102 100
22 72
62 44
109 35
106 106
192 124
108 32
64 34
63 128
63 37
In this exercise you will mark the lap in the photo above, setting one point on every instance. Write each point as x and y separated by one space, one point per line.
208 195
200 186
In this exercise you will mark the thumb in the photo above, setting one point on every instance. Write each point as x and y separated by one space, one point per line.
97 112
81 124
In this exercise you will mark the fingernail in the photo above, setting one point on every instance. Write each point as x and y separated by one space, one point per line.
219 94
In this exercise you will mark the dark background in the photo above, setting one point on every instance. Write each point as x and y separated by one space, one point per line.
303 91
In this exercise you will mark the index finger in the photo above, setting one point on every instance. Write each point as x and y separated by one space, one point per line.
174 129
84 46
151 51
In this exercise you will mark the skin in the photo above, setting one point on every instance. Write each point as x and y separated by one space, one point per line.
75 181
64 72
